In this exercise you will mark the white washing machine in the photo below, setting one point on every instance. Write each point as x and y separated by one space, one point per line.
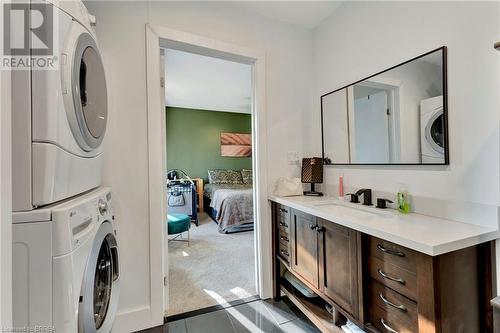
432 130
66 266
60 117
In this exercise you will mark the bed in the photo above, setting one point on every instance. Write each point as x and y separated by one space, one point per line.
230 205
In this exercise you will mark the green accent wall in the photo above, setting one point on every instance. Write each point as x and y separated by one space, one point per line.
193 140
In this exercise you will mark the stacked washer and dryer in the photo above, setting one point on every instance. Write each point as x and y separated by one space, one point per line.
65 254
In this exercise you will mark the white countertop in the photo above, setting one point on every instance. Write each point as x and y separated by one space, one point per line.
426 234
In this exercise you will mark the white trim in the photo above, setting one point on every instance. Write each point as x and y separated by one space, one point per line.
5 200
156 143
156 166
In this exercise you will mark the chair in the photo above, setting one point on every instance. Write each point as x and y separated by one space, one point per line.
177 224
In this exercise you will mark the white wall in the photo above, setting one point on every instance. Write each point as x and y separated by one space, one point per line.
199 82
121 33
362 38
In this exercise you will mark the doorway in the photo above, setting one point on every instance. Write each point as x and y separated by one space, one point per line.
158 37
374 118
208 105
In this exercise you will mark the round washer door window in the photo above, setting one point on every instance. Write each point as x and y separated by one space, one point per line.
89 94
103 281
100 288
434 132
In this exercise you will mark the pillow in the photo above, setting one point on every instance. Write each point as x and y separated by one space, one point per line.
224 177
247 176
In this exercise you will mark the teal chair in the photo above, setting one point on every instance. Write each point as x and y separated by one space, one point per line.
177 224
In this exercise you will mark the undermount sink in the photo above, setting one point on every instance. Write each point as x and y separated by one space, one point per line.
342 209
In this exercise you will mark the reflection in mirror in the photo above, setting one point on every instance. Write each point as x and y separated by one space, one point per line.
395 117
337 123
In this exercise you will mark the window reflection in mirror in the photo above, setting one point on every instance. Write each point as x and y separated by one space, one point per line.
395 117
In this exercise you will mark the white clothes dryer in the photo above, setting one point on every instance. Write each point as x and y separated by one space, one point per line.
432 132
66 266
60 117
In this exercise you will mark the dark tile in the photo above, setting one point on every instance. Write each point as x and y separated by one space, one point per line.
157 329
178 326
253 317
283 311
299 326
217 322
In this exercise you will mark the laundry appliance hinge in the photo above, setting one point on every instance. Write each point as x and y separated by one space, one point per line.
162 82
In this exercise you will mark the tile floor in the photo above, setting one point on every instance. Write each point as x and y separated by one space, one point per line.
256 317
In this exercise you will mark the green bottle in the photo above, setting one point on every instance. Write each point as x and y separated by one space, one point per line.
403 200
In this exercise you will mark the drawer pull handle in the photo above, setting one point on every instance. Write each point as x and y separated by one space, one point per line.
284 238
386 301
283 210
387 327
285 253
283 224
394 253
388 277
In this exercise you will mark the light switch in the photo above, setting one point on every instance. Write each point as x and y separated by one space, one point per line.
292 157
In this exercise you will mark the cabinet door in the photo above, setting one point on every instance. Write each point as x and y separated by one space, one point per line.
305 246
338 273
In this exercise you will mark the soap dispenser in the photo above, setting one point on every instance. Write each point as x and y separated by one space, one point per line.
403 199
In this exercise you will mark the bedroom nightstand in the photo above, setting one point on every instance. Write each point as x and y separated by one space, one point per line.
199 190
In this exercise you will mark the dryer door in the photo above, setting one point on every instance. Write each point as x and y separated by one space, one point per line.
90 100
100 289
434 131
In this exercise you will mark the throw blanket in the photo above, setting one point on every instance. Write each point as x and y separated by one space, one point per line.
234 207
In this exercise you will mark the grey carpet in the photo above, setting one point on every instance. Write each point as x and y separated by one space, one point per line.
215 269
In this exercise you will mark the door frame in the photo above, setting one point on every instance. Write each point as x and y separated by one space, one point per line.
180 40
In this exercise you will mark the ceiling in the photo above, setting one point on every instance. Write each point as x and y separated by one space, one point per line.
199 82
306 14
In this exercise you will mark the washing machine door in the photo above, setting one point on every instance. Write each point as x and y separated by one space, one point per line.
89 114
434 131
100 289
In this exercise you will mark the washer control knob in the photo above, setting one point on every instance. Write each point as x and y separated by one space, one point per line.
103 207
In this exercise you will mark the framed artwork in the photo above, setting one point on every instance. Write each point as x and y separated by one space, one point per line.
235 144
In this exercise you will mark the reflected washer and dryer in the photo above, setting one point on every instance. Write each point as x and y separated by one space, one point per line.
60 116
66 265
432 136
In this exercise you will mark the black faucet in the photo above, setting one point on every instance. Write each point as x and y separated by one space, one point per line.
367 196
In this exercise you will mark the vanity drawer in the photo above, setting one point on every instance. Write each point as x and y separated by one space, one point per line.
387 322
283 211
393 254
392 276
284 252
398 307
283 224
284 237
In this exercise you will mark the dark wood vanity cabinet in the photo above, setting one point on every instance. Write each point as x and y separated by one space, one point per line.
381 286
282 233
338 264
304 247
324 254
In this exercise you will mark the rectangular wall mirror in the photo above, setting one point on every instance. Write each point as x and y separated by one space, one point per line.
398 116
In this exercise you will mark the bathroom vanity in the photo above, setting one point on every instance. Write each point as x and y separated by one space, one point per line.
385 271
